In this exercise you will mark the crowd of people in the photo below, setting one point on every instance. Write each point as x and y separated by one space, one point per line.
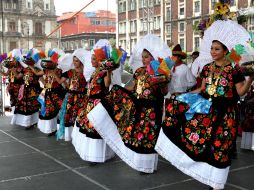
188 115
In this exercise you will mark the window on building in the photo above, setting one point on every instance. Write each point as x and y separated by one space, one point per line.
120 7
157 21
181 11
197 6
181 27
251 20
29 4
232 3
182 43
213 2
124 6
13 45
38 28
91 42
14 4
47 6
132 4
12 26
168 29
168 13
181 8
196 42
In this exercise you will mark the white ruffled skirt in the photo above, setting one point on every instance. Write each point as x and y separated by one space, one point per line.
25 120
47 126
89 149
200 171
106 127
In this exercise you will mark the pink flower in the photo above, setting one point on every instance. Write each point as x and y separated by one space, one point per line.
223 82
152 123
140 136
194 137
146 92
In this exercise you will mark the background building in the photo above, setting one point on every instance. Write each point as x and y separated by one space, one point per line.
86 28
25 24
136 18
172 20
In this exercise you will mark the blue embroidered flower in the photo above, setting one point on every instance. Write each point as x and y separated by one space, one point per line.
220 91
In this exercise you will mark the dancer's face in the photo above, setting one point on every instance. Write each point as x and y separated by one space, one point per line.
217 51
146 58
77 63
95 63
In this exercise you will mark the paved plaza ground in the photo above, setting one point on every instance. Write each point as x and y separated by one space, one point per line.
29 160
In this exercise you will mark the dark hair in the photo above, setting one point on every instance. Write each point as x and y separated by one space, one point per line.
195 53
223 46
148 52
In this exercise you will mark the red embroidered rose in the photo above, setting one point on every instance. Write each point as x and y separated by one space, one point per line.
170 108
217 143
181 108
150 137
140 136
152 115
206 122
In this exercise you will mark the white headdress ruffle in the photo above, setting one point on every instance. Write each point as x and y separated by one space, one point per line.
155 45
228 32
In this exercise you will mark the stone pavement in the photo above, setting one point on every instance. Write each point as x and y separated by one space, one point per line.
29 160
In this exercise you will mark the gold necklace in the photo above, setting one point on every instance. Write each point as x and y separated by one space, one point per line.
140 86
212 89
12 76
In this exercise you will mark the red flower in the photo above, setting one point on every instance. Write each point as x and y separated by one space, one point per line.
150 137
206 122
146 130
152 115
181 108
187 130
201 141
230 93
140 136
217 143
170 108
230 122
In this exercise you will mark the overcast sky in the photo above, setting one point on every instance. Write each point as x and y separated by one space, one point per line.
75 5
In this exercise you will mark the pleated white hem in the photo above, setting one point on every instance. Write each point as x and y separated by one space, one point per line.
200 171
25 120
106 127
47 126
89 149
67 133
247 141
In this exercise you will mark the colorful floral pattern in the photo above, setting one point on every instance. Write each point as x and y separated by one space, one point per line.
96 91
75 96
29 104
53 96
207 137
138 120
14 86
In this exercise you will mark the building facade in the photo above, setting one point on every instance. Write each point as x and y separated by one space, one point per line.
136 18
172 20
83 40
86 28
26 23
